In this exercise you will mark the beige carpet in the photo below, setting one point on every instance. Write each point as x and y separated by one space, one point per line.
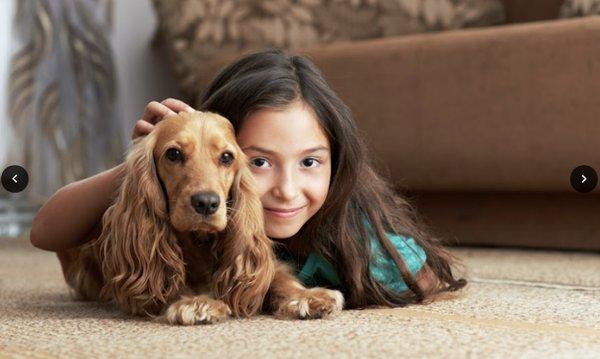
519 304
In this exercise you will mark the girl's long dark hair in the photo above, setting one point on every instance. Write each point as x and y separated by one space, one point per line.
274 79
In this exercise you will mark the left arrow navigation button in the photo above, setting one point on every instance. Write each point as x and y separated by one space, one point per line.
15 179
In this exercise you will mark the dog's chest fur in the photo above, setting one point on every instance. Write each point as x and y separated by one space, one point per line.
199 260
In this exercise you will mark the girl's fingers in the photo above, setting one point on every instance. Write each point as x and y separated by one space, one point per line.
177 105
142 128
155 111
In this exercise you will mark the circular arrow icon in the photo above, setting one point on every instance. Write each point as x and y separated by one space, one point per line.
584 179
14 179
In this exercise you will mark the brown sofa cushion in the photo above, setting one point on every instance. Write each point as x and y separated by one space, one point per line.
196 32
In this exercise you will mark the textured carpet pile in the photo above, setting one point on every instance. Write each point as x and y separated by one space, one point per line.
519 303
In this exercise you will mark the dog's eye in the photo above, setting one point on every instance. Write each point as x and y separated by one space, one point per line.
174 155
226 158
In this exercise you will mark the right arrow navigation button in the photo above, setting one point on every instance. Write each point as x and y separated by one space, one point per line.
584 179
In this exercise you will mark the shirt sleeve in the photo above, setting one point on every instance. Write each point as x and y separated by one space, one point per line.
383 268
317 271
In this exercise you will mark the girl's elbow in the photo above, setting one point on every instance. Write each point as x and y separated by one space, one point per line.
35 236
34 239
39 235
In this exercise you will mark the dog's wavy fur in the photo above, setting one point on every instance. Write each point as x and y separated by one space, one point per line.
149 266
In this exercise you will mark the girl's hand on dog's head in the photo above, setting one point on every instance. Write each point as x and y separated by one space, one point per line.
154 112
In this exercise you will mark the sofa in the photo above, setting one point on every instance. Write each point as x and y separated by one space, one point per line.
479 127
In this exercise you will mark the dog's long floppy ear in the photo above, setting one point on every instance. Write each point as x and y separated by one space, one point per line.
141 261
246 261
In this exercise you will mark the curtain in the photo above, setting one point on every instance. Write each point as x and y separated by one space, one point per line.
62 93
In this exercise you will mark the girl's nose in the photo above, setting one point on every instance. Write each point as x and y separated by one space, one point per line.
286 187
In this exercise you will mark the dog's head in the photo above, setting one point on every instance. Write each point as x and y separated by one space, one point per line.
187 175
196 161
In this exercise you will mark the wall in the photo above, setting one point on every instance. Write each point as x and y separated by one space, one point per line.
143 74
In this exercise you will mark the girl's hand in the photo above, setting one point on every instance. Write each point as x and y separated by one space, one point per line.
154 112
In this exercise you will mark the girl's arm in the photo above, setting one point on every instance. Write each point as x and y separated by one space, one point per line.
73 215
67 218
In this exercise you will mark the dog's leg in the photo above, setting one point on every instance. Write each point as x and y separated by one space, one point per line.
289 299
199 309
82 271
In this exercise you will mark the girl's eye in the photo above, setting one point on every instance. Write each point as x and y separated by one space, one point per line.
174 155
308 162
259 162
226 158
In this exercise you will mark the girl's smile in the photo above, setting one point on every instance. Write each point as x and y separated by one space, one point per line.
283 213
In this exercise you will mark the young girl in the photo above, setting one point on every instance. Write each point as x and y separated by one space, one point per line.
337 221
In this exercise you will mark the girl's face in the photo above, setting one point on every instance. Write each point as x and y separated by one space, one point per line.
289 156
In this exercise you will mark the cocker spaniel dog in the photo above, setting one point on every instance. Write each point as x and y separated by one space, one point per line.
184 240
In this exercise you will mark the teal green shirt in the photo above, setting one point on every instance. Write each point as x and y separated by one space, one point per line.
317 271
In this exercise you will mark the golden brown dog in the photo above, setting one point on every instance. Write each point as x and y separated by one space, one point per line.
184 240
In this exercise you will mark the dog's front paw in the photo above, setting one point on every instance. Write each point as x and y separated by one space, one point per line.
197 310
311 303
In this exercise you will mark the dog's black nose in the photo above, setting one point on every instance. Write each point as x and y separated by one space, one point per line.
206 203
